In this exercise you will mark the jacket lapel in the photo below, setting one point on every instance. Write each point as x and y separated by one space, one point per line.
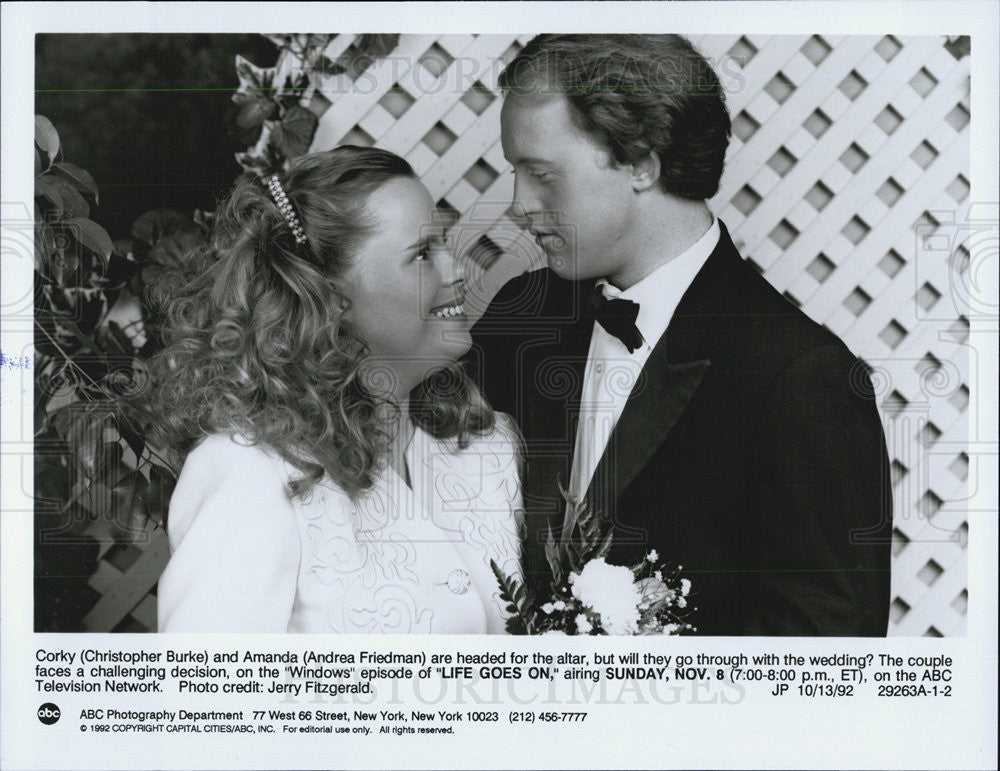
668 382
660 397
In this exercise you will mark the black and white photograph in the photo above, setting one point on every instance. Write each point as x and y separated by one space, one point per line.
700 289
576 332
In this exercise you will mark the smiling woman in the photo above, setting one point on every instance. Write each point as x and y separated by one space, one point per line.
341 473
406 263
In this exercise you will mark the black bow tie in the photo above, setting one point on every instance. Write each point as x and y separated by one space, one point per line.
616 316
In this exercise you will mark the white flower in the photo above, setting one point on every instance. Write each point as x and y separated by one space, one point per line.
548 607
652 556
583 625
671 628
685 587
559 605
609 590
652 590
681 602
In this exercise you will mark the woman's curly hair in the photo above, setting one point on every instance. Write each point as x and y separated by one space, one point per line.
635 94
256 344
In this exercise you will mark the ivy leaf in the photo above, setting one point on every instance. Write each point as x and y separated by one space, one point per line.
254 112
64 264
151 233
318 41
327 67
161 488
263 158
74 204
109 462
85 435
86 307
280 40
91 501
605 546
173 250
376 46
158 223
294 134
133 438
253 78
45 247
129 510
79 178
51 480
118 343
45 187
120 381
41 413
46 137
122 248
553 557
93 236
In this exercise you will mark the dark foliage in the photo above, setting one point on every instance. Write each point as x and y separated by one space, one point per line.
150 116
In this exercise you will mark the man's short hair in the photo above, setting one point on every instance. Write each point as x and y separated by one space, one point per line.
635 94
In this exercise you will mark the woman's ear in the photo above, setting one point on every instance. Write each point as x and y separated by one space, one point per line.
342 302
646 172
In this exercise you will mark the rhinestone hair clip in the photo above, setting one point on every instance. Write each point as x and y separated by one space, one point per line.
286 208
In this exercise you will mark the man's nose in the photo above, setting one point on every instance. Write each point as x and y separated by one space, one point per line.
525 201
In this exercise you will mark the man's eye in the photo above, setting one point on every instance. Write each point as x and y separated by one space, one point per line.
541 176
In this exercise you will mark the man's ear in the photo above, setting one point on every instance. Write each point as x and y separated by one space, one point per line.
646 172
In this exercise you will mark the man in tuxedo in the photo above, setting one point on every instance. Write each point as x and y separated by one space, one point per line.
656 374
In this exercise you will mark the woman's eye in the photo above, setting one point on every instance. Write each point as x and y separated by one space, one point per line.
438 243
541 176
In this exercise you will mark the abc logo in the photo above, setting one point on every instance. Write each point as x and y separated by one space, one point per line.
48 713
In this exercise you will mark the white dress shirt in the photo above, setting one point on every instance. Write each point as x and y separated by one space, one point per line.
611 371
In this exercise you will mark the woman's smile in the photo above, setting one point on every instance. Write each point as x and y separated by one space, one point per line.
449 310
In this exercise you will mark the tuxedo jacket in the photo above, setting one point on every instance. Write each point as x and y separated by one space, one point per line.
749 452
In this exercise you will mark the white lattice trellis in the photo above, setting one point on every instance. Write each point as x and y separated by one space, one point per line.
845 182
125 580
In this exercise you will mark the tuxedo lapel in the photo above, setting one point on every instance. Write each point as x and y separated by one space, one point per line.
659 398
667 383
